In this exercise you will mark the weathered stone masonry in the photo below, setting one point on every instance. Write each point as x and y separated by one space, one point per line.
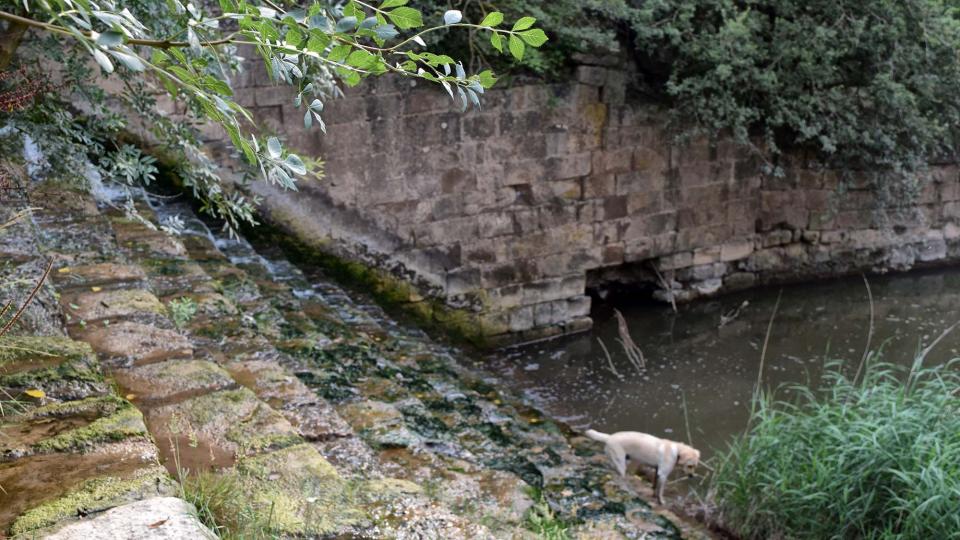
506 210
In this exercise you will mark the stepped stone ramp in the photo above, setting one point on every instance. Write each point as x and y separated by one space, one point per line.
322 412
429 420
71 448
205 419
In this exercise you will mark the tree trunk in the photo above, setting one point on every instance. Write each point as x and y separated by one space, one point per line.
9 42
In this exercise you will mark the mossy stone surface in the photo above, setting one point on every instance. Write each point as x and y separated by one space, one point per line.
62 368
73 426
95 495
165 381
93 305
302 491
229 422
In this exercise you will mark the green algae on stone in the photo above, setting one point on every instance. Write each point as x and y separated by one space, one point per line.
231 422
302 492
124 424
74 425
21 348
95 495
62 368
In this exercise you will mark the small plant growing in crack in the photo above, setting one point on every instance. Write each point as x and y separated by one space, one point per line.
182 311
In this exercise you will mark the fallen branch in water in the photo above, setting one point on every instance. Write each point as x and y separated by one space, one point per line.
634 354
610 365
666 286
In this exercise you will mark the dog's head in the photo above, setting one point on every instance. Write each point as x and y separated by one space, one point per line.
687 458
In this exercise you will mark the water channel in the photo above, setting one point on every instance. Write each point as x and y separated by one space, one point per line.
702 362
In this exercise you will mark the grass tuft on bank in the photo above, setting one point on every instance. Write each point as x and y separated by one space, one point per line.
873 458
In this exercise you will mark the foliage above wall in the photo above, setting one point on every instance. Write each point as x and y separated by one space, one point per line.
864 83
188 51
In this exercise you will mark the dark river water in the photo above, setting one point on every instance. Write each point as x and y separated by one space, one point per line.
701 374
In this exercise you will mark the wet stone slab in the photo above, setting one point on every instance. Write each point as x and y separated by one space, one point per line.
62 368
43 490
210 431
139 239
314 418
156 518
380 424
170 381
96 304
135 343
73 426
105 275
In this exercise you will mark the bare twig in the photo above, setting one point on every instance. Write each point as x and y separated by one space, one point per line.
729 316
666 286
610 365
16 316
633 352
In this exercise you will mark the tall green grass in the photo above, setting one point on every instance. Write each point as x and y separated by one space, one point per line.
874 458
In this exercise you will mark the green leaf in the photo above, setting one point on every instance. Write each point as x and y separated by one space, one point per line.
534 38
110 39
353 10
217 85
349 77
361 59
339 53
406 18
492 19
487 79
318 42
248 151
516 47
496 41
273 147
523 23
183 74
387 4
294 37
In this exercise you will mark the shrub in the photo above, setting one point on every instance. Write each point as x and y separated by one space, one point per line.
878 458
869 85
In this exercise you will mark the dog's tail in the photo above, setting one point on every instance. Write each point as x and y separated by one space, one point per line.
596 435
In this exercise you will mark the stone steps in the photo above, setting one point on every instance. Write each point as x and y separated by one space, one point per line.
322 413
433 422
70 447
214 396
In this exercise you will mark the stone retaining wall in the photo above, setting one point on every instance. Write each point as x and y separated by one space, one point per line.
506 211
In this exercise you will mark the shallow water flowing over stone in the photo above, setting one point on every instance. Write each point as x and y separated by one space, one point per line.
703 362
315 406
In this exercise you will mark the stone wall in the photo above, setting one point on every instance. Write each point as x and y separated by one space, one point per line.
504 212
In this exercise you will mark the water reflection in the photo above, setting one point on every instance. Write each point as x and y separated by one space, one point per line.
712 368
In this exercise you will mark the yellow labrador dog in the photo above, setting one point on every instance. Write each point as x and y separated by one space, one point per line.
628 450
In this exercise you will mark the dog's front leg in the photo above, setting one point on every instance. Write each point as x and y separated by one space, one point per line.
660 482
